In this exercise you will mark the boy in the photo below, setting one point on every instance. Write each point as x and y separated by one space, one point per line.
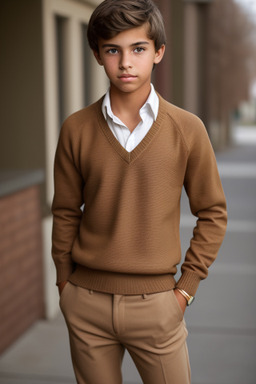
126 158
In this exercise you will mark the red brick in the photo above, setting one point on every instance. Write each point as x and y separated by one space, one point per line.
21 272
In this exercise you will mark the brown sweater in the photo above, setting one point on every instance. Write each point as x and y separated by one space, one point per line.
126 240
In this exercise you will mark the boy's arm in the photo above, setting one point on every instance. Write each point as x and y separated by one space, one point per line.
207 202
68 199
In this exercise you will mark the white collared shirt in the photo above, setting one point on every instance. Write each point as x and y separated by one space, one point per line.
148 114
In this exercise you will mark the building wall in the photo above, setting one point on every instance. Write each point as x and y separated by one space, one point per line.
21 272
22 135
177 52
168 75
180 78
22 147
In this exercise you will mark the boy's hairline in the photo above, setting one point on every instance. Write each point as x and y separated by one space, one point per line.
147 24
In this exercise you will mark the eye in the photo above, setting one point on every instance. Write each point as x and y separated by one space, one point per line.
112 51
139 49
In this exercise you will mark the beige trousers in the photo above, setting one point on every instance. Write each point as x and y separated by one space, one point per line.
101 326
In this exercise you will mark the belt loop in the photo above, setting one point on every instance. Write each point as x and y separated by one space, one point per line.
144 296
90 291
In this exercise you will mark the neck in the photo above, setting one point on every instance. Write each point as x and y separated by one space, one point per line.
128 103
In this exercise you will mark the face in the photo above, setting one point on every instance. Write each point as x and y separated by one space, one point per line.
128 59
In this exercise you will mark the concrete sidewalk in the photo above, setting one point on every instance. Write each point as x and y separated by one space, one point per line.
221 323
40 356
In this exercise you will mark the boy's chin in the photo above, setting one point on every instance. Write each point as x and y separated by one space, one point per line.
129 87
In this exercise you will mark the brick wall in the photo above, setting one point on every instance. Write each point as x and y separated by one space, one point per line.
21 270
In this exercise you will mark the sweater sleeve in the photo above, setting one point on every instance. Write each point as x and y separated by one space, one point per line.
67 201
207 202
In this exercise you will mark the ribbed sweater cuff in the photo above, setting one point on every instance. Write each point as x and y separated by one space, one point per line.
63 273
189 282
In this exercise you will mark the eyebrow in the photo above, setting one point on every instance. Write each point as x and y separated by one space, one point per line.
118 46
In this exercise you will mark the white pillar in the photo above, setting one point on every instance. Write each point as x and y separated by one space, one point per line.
73 71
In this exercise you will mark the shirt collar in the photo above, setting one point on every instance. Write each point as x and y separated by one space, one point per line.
151 105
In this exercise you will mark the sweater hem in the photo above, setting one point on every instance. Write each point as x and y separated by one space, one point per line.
121 283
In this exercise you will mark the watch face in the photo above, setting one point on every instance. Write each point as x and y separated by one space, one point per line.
190 301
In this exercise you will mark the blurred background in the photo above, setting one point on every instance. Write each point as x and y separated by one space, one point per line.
47 72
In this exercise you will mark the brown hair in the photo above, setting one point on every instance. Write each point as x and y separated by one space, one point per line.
114 16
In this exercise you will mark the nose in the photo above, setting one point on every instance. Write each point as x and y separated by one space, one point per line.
125 61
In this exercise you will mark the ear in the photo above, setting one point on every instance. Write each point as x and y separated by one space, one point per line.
97 57
159 54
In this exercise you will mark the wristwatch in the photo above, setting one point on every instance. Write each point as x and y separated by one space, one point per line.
188 297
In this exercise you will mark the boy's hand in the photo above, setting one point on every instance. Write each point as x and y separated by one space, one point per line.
181 300
61 286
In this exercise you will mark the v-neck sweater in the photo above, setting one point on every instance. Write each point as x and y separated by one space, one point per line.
126 239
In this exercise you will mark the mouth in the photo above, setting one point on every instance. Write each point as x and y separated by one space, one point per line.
126 76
